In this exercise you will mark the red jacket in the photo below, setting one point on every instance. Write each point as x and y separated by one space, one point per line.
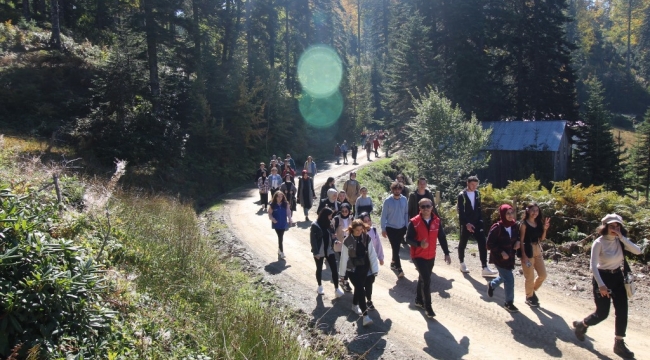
421 232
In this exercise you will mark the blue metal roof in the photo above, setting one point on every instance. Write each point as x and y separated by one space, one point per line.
525 135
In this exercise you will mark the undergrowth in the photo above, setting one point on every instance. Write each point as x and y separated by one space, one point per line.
158 290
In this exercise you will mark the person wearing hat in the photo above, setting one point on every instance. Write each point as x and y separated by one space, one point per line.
306 193
607 257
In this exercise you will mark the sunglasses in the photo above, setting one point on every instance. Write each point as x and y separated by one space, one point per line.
426 206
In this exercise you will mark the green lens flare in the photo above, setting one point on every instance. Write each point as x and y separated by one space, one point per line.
320 71
321 112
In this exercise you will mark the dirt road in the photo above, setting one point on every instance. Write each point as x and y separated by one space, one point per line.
468 324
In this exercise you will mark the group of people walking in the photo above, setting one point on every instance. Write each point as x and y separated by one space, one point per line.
343 235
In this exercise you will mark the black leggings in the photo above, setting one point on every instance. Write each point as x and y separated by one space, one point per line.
280 233
618 296
331 260
358 278
370 279
264 199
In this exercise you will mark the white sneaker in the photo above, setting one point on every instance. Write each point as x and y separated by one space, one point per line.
280 254
338 293
367 320
489 273
357 310
463 268
320 290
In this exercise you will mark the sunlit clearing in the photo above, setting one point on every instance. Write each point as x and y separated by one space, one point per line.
321 112
320 71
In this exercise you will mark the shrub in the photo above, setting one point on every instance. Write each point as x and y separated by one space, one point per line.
49 288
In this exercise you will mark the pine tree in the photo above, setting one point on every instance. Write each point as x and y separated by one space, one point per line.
640 158
644 46
595 159
407 72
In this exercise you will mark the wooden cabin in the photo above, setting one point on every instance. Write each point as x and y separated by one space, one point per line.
520 148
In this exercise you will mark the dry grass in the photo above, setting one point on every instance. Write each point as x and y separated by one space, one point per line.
628 137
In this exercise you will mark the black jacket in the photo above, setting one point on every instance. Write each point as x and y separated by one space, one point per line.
414 198
500 241
467 214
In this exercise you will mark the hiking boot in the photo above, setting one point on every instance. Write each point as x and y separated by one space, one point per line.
490 290
621 349
510 307
580 330
320 290
429 312
487 272
463 268
370 306
367 320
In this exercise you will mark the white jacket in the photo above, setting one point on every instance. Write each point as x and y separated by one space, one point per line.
372 255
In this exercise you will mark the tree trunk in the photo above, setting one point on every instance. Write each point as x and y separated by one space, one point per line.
100 14
287 66
152 54
359 32
26 13
272 33
55 40
197 36
629 34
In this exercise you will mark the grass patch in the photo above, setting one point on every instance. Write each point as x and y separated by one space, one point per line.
628 137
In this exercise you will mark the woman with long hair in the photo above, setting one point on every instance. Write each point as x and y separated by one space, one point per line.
322 243
289 190
329 184
532 231
306 194
280 216
379 250
607 258
358 259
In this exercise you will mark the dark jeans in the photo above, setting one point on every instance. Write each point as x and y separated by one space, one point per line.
395 237
479 235
370 279
358 278
618 296
280 233
345 157
331 260
264 199
423 292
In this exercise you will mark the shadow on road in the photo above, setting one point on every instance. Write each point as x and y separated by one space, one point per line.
441 344
276 267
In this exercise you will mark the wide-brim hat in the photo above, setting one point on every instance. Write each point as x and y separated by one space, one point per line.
612 218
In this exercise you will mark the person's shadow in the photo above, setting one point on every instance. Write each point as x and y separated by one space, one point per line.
532 335
557 328
404 290
323 317
261 211
276 267
440 285
480 286
370 342
441 344
303 224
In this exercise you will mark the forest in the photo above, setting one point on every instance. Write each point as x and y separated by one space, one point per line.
188 90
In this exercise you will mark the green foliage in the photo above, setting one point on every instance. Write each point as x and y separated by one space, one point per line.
640 159
443 143
50 290
595 158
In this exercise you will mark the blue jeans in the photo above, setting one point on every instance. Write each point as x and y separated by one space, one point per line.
508 279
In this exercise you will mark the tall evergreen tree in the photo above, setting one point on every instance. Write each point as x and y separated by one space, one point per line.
595 159
640 158
407 72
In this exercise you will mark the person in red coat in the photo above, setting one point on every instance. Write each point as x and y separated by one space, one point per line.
422 236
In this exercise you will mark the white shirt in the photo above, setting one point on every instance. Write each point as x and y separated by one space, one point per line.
509 230
472 197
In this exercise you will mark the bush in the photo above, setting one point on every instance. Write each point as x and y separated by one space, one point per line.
49 288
